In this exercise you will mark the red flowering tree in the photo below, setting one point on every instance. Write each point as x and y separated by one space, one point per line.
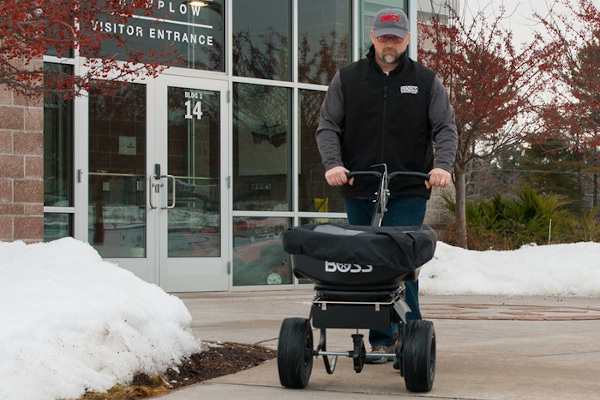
30 29
572 58
493 89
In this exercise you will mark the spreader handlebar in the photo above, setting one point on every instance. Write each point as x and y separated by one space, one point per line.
411 174
357 173
391 175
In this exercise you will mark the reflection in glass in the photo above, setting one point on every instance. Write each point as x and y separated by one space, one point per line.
179 33
117 180
261 147
315 195
339 221
57 226
258 256
324 36
194 148
262 38
58 145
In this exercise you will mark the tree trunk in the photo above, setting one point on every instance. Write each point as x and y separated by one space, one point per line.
595 193
461 217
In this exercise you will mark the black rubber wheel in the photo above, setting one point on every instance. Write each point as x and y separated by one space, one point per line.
295 353
418 356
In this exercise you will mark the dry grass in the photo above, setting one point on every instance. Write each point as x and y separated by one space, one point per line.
214 361
143 386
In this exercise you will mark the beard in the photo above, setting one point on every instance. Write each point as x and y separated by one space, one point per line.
390 57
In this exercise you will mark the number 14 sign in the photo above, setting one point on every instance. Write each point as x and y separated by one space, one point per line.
193 105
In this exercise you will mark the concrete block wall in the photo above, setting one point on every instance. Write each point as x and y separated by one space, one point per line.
21 167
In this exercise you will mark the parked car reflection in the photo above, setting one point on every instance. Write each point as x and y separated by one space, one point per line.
258 255
261 263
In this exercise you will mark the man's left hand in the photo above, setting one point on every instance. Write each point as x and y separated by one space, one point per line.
438 177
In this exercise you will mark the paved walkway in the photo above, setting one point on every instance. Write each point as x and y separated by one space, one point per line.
488 347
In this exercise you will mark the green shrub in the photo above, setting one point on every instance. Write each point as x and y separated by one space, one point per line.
509 222
587 228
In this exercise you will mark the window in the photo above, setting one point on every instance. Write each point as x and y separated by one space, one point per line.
258 255
262 39
176 33
324 37
58 159
261 147
117 177
315 194
57 226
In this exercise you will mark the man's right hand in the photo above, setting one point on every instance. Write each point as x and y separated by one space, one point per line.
336 176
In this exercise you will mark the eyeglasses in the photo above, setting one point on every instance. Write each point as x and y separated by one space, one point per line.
387 38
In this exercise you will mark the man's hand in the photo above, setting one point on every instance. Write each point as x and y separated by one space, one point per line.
438 177
336 176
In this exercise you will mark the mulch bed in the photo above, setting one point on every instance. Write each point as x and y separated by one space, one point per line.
216 360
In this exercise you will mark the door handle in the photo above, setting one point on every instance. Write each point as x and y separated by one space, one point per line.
173 195
153 188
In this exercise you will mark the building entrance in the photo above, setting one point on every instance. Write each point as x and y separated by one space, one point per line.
157 190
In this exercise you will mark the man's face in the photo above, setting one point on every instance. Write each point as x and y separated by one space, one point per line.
389 48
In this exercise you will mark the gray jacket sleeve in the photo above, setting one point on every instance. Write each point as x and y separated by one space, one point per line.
441 116
331 121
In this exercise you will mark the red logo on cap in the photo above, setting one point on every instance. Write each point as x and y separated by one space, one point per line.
390 17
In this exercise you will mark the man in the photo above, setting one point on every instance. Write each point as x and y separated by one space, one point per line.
388 109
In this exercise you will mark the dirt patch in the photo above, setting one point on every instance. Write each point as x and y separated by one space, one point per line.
216 360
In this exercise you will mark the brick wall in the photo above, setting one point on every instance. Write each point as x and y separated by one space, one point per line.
21 168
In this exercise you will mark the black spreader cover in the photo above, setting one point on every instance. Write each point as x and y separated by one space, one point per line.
342 255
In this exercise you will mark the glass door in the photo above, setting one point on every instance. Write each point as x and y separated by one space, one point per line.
118 224
157 199
188 190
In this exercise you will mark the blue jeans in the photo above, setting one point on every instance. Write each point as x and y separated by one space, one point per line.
401 211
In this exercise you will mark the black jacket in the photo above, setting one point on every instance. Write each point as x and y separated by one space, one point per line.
384 118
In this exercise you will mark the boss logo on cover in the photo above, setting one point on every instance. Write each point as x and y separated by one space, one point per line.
390 18
331 266
410 89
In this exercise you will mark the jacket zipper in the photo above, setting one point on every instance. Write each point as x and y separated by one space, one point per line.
385 89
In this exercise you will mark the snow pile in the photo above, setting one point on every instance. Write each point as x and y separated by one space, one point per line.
71 322
553 270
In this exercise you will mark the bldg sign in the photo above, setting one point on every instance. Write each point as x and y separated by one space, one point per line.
187 34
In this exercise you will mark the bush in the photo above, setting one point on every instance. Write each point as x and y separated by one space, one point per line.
504 223
587 228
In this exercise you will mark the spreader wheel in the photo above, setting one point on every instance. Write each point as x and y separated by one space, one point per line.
419 356
295 352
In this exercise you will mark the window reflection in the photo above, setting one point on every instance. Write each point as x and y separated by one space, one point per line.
179 33
117 178
339 221
315 195
57 226
58 145
58 159
261 39
258 255
261 147
324 39
194 149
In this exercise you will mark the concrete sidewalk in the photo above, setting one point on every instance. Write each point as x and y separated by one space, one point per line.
488 347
